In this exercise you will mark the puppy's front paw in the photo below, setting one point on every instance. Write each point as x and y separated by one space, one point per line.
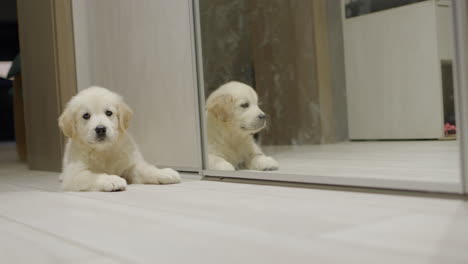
264 163
168 176
222 165
111 183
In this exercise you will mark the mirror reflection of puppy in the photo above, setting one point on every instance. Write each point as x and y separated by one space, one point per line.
233 116
100 155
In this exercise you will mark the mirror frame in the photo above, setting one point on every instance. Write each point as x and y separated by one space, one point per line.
460 24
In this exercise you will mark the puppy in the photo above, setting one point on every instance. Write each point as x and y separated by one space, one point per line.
100 155
233 116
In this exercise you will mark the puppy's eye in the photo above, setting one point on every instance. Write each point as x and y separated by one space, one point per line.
245 105
86 116
108 113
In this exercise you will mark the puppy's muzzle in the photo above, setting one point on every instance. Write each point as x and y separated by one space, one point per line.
262 120
257 125
100 132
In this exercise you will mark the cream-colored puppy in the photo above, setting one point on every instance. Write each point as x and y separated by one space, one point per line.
233 116
100 155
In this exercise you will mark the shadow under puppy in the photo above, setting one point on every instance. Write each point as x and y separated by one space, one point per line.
100 155
233 117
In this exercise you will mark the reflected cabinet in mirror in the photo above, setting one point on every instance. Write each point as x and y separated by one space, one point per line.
359 91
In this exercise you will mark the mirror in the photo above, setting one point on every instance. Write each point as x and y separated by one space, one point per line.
352 88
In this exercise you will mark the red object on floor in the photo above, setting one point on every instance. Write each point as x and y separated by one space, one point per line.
450 129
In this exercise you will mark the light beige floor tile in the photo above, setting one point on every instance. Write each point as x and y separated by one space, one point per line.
438 238
24 244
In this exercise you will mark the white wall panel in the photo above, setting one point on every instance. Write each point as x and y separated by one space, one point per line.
144 50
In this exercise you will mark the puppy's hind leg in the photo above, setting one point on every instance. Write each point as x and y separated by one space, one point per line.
145 173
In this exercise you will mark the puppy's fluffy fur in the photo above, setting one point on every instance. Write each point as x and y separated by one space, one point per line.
233 116
104 162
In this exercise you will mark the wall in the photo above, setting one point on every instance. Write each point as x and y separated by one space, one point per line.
144 50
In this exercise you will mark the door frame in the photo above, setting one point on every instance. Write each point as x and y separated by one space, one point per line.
48 76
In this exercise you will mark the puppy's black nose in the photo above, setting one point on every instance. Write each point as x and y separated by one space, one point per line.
262 116
100 131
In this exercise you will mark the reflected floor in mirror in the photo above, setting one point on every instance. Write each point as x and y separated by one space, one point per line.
435 161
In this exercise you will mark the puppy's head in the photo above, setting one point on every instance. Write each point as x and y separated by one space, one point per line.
95 117
236 105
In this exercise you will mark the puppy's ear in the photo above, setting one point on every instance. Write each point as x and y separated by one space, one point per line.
221 107
67 122
125 115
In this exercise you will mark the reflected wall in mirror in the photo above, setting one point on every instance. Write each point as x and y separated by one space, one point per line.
351 88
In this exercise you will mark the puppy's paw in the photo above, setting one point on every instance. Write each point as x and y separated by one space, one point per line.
222 165
168 176
111 183
264 163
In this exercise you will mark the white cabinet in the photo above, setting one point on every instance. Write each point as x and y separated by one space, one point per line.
393 71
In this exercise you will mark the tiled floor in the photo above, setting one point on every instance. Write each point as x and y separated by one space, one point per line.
217 222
